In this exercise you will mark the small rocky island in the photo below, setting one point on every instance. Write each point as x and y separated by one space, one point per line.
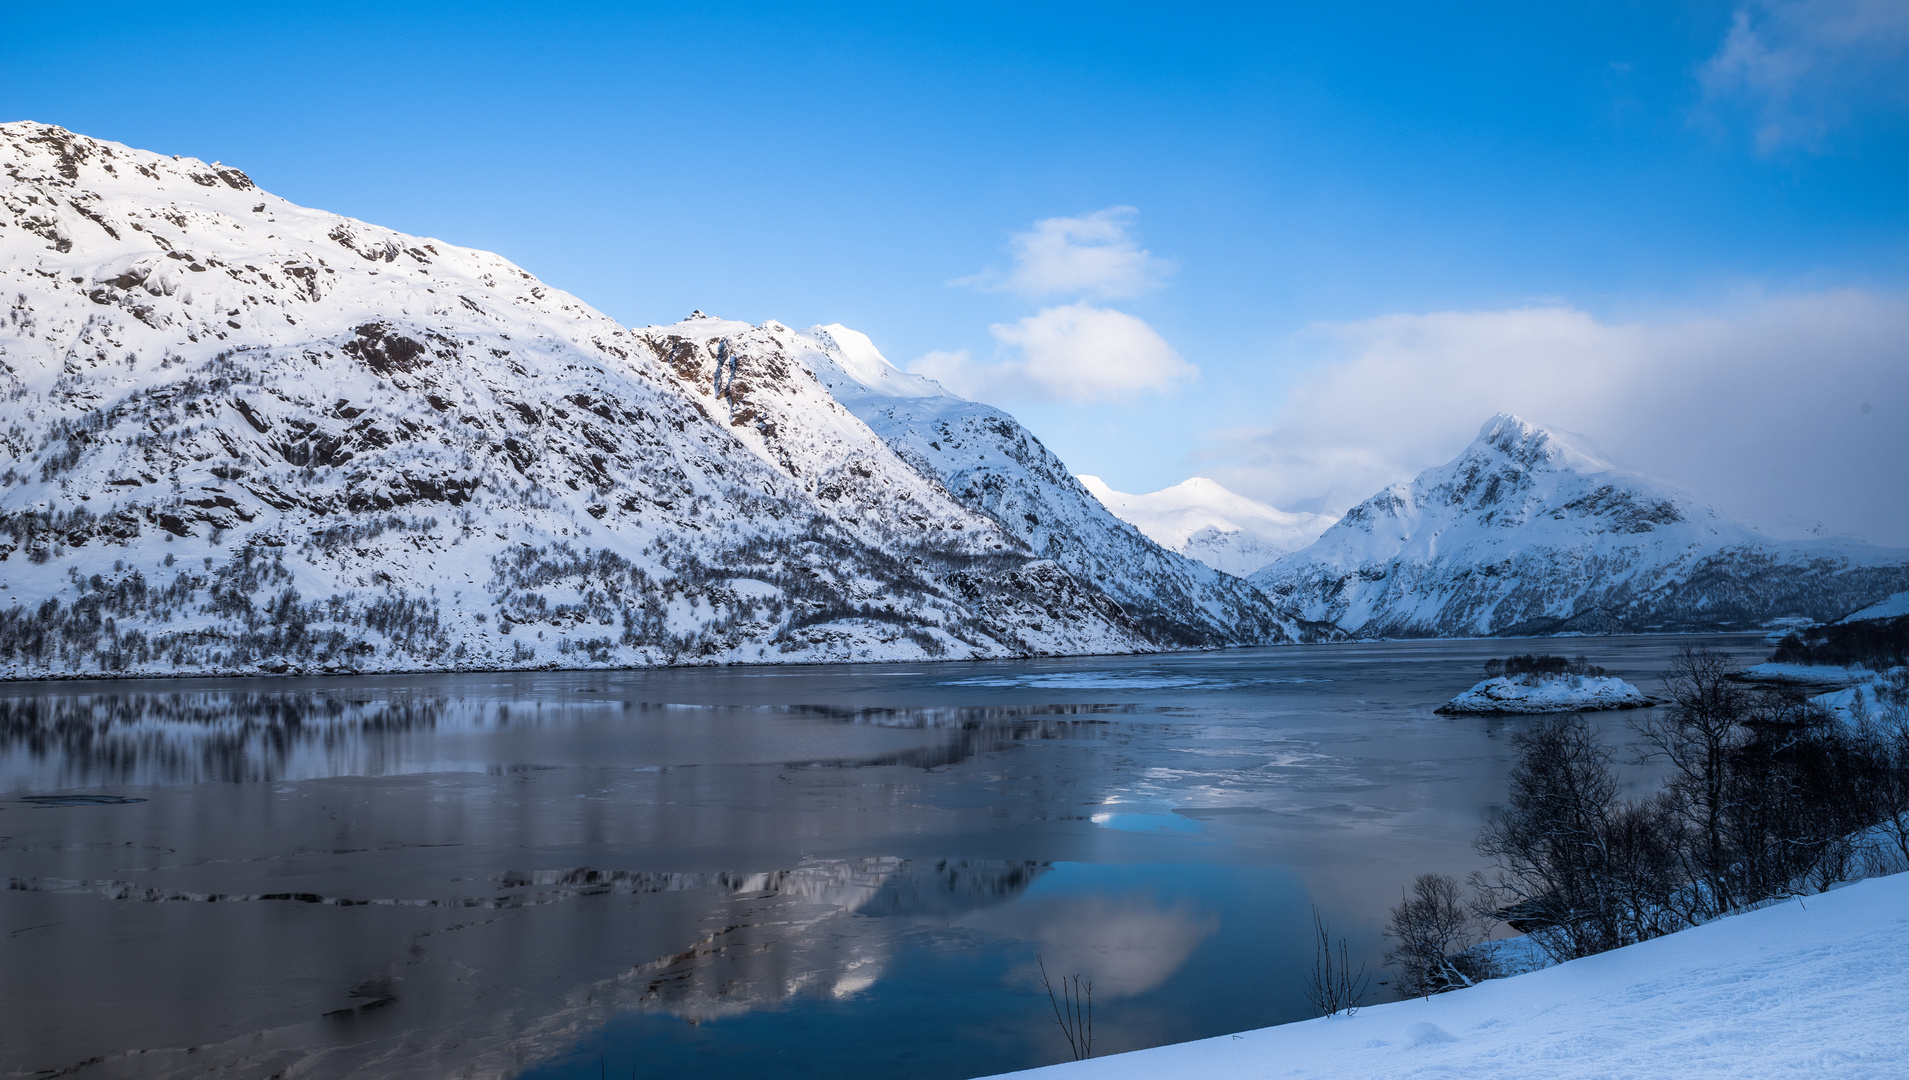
1546 684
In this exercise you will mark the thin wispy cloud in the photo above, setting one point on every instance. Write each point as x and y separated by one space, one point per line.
1798 69
1092 256
1785 411
1076 353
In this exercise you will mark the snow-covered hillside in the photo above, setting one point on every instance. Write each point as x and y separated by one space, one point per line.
994 465
1203 520
1528 533
244 435
1807 988
1889 607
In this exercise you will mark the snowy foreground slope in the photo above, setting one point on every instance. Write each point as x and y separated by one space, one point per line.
1527 533
1810 988
244 435
1202 520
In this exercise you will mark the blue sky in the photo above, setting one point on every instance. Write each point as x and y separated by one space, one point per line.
1593 214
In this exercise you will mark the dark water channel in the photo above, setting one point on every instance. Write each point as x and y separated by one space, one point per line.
719 873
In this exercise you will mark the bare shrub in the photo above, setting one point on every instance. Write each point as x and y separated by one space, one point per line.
1073 1010
1332 986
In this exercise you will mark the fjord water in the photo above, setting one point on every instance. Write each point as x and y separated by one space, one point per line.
854 870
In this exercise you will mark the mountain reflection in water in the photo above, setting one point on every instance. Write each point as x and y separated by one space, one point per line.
553 874
89 739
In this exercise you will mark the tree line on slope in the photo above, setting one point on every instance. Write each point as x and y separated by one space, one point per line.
1768 796
1872 643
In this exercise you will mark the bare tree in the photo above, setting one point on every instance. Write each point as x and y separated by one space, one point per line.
1435 931
1549 845
1332 986
1699 735
1073 1010
1643 843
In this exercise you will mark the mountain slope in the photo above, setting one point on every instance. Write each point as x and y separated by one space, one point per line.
1203 520
996 467
1526 532
243 434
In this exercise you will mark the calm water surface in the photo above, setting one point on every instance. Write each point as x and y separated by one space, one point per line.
717 873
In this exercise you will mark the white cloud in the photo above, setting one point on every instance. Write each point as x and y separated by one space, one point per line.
1784 412
1094 255
1802 67
1076 352
1126 944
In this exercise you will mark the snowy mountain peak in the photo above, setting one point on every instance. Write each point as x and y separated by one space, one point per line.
1532 531
847 360
1519 475
1201 519
1538 448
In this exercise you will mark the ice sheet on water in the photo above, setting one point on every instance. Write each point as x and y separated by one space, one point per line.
1090 680
1114 680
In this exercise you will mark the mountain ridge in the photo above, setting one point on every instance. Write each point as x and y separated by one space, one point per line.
1527 533
251 436
995 465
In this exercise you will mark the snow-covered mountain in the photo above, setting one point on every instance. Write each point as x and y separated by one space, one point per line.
1203 520
993 464
242 435
1528 532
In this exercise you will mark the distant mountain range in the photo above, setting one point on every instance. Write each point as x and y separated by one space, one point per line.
245 435
1203 520
1527 532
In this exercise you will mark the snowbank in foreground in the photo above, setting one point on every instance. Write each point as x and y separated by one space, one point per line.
1801 989
1547 694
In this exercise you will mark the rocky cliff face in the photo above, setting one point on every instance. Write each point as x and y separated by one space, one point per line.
1527 532
244 435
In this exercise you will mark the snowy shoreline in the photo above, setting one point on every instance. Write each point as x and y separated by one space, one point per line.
807 660
549 668
1806 987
